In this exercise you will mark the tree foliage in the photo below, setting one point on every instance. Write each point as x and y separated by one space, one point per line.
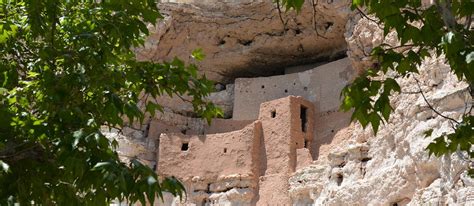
442 29
67 69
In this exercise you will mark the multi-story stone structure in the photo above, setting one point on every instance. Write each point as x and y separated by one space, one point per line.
252 165
249 158
279 124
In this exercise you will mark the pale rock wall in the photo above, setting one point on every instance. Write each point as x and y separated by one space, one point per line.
131 148
223 99
363 34
393 167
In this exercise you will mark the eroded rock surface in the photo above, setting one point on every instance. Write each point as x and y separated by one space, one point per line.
393 167
247 38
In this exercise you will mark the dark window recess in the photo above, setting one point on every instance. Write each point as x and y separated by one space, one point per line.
298 31
304 119
225 150
286 90
147 130
205 201
365 159
185 147
208 190
328 25
183 131
245 42
339 179
306 143
274 114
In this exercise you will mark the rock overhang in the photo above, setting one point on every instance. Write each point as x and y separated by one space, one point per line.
247 38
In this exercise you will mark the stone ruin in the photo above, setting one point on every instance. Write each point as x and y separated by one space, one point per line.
283 140
278 124
247 166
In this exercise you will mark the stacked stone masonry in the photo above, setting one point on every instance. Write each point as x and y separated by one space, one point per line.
283 133
253 163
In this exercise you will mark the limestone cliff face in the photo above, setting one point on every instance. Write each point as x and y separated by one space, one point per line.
392 167
351 165
247 37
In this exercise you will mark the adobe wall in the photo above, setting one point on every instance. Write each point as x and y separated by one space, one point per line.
286 128
207 156
214 168
225 125
283 132
321 86
169 122
248 166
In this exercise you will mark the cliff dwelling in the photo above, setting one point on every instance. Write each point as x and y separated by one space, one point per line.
237 102
276 126
282 139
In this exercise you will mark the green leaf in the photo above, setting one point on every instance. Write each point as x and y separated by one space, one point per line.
375 120
198 54
438 147
428 133
357 3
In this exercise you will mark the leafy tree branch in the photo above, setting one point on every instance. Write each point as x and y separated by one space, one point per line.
67 70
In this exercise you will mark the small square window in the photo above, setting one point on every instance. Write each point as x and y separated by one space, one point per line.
185 146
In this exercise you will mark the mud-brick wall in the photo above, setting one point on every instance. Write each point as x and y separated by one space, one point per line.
284 131
207 156
321 86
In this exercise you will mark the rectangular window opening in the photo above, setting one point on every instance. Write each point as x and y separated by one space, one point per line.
304 118
185 146
274 113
